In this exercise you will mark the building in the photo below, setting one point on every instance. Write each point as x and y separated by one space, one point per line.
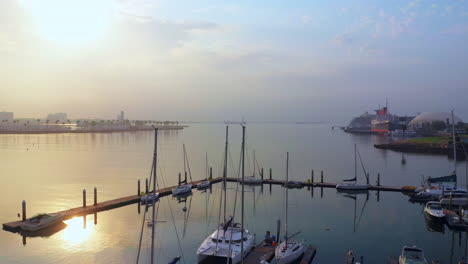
61 117
433 121
6 116
121 116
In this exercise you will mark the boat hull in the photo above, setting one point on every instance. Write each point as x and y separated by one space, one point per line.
354 187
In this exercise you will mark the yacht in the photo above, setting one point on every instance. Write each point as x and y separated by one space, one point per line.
434 211
412 255
351 184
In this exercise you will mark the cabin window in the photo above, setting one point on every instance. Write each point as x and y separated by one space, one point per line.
295 248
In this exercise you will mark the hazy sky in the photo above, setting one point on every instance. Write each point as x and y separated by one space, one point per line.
218 60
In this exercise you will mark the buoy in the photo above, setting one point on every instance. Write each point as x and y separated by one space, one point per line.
327 228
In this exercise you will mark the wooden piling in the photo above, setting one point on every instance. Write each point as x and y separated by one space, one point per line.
23 205
95 196
179 178
261 174
211 173
138 188
270 174
367 178
146 186
378 179
321 176
84 197
312 176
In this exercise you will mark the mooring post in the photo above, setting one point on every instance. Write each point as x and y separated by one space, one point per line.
211 173
270 175
23 205
321 176
84 197
278 229
138 188
261 174
179 179
146 186
95 196
312 177
367 178
378 179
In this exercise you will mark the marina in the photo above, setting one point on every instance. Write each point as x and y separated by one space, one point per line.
312 188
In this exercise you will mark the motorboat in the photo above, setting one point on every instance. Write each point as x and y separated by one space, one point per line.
41 221
289 250
203 184
225 242
294 184
185 188
457 199
412 255
434 211
150 198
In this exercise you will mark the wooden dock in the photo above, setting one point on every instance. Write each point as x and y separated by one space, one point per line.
309 255
104 206
259 253
111 204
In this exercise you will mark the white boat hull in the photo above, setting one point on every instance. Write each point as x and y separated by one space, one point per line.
352 186
289 254
182 189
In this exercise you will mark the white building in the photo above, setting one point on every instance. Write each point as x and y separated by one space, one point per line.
61 117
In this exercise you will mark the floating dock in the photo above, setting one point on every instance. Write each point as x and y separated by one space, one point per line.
309 255
111 204
259 253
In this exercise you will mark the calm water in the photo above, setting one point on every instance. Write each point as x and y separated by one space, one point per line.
50 172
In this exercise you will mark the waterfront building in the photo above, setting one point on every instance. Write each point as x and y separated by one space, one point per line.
435 121
61 117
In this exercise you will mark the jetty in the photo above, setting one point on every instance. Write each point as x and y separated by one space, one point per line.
261 252
123 201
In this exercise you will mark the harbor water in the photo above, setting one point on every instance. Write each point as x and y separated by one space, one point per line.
50 172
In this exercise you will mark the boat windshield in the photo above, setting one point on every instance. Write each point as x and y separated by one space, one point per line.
413 254
435 206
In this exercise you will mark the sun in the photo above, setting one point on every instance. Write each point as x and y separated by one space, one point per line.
70 22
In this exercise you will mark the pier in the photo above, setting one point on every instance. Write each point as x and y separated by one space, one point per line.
119 202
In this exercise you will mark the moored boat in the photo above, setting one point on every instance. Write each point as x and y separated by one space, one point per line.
41 221
412 255
434 211
185 188
351 184
150 198
203 184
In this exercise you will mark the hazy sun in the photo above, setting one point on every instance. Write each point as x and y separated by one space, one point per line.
70 22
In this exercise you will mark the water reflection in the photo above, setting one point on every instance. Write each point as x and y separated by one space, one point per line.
77 232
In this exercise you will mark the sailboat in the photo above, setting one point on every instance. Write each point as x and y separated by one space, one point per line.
186 187
205 183
289 250
252 179
351 184
230 242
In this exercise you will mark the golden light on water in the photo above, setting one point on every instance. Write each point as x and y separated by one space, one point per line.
76 233
70 22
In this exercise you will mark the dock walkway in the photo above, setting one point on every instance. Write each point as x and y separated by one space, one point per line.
111 204
259 253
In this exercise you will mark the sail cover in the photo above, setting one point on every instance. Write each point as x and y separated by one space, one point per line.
449 178
349 180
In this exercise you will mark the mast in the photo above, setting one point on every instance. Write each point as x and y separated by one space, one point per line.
154 190
286 206
225 171
454 146
185 169
355 164
254 163
242 196
206 166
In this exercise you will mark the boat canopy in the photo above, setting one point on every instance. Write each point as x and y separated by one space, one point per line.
449 178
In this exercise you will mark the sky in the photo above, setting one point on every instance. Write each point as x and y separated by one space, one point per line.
226 60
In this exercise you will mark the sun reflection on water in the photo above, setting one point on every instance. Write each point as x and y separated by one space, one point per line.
77 232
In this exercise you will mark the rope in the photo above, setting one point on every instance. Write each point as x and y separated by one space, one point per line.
362 164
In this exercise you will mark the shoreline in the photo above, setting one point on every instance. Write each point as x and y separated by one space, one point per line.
81 131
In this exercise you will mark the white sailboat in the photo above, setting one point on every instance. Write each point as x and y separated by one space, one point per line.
205 183
289 250
186 187
230 242
252 179
351 184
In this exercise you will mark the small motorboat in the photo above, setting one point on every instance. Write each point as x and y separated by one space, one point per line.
412 255
185 188
454 199
434 211
41 221
352 186
203 184
150 198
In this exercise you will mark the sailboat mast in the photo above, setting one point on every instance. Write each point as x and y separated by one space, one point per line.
286 206
355 163
242 195
185 165
254 163
154 190
225 171
454 145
